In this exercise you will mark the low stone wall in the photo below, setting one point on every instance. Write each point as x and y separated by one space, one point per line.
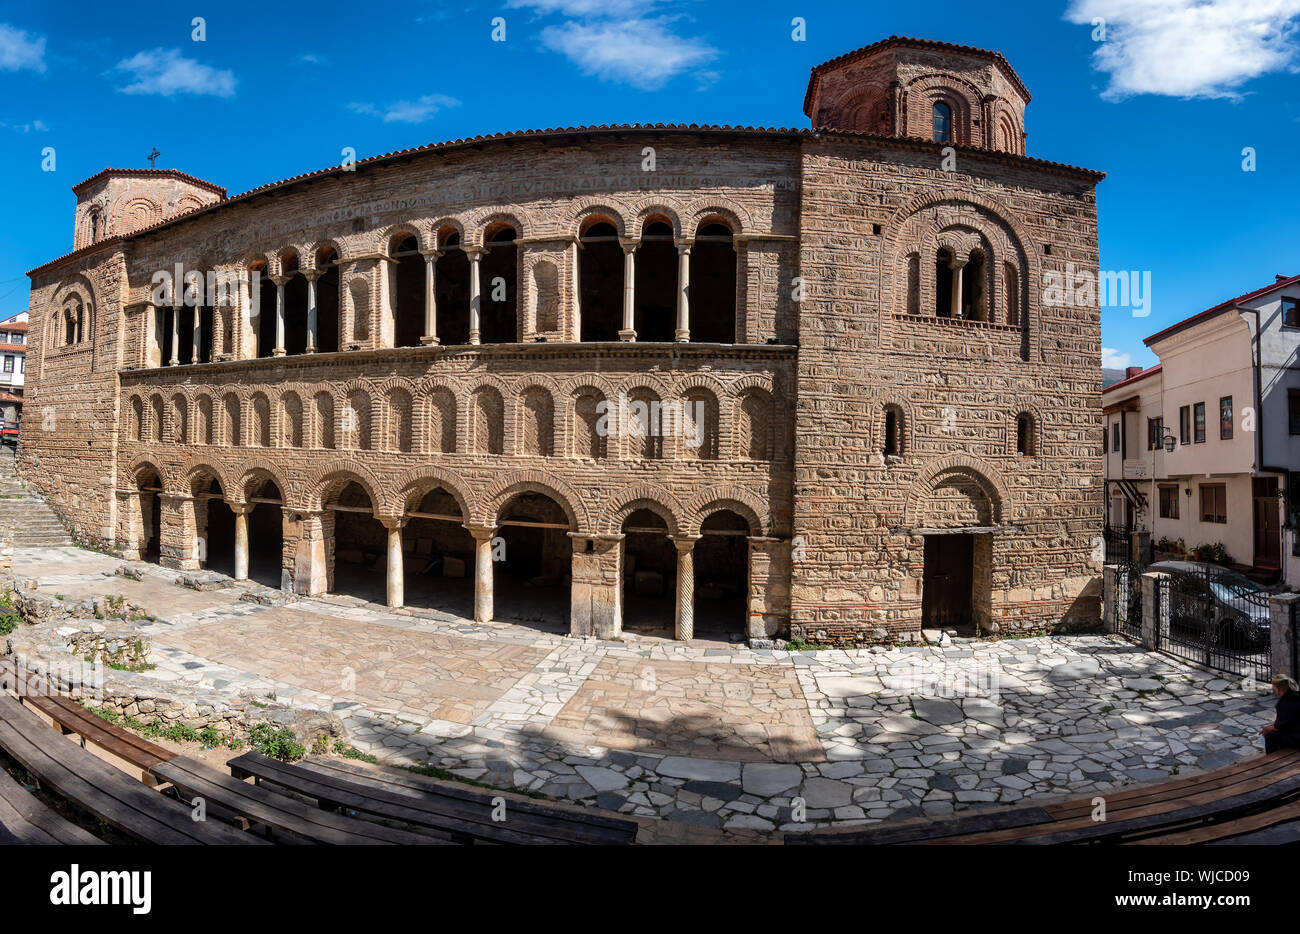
54 651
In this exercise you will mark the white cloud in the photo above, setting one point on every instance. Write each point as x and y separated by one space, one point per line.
19 49
35 126
1189 48
417 111
1112 359
640 52
623 8
311 58
167 72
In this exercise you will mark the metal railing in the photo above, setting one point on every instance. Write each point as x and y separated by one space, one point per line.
1214 618
1119 544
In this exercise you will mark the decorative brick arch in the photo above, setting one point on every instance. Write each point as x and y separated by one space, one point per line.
962 97
735 216
984 475
250 476
339 256
531 481
673 212
651 496
580 209
145 462
745 504
443 224
283 253
401 229
337 473
857 110
217 471
481 219
418 481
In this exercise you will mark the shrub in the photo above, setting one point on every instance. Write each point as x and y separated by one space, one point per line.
278 744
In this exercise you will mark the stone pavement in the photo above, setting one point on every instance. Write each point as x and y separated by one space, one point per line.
706 735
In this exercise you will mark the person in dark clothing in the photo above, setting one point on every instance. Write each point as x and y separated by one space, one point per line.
1284 731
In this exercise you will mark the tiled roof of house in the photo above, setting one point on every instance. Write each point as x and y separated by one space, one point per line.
1281 282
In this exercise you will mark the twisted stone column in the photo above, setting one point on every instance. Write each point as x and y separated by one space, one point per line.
685 586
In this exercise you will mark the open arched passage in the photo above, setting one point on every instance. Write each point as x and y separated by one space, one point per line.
532 558
327 300
214 525
649 573
408 292
600 281
438 555
360 544
713 286
266 534
149 494
656 283
722 575
498 315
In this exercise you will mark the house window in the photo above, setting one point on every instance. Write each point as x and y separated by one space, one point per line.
1225 418
1185 424
1293 410
1168 501
892 447
1214 502
1114 437
9 363
1198 422
1155 433
1290 312
942 122
1024 435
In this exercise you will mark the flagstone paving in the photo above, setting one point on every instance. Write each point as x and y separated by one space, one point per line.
701 734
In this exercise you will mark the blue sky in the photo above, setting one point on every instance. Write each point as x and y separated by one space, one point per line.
1165 104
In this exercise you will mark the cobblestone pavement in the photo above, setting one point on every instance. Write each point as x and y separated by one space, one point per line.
705 735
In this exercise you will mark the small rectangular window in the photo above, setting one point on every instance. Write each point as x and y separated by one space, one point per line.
1185 424
1168 501
1290 312
1225 418
9 363
1198 422
1114 437
1214 502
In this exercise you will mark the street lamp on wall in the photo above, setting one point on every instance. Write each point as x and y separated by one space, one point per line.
1168 440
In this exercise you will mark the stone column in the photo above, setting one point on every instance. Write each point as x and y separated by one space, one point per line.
430 299
196 333
313 317
241 511
176 336
396 569
311 570
1281 630
474 297
176 532
1140 545
130 525
956 266
628 333
596 603
483 536
280 282
1155 618
1109 596
683 292
685 586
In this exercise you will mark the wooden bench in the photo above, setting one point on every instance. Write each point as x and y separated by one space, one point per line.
280 818
93 785
449 810
73 719
24 818
1199 808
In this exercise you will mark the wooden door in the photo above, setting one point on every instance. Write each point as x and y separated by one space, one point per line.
946 582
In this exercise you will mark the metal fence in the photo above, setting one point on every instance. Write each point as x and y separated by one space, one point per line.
1128 601
1119 544
1215 618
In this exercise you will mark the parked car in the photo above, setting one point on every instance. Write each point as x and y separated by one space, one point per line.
1221 604
9 433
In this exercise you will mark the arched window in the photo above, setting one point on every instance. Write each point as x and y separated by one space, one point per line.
1025 435
498 303
406 291
713 286
942 122
943 282
1011 293
893 438
94 226
600 282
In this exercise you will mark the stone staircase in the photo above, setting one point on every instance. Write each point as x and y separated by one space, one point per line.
24 514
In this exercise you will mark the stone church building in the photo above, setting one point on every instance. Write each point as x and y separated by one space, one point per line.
711 379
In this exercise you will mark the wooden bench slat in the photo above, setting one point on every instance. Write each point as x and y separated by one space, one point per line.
567 824
120 742
278 812
470 823
1225 830
101 789
27 819
1249 784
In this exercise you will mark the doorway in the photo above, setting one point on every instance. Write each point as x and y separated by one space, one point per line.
948 583
1268 523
